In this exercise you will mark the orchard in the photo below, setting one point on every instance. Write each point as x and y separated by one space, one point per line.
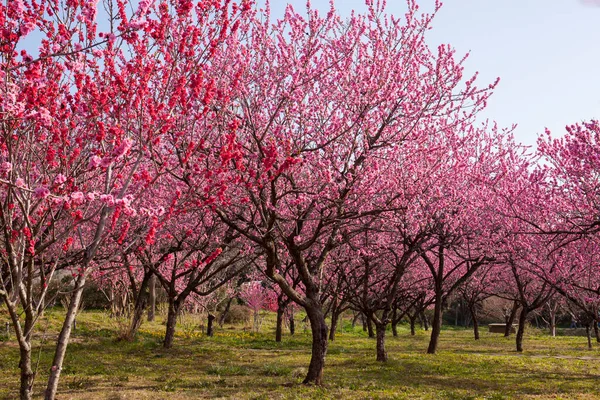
176 172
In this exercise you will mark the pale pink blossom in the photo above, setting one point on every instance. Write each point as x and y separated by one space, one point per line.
60 179
95 162
122 149
106 161
107 199
77 198
91 196
41 192
5 168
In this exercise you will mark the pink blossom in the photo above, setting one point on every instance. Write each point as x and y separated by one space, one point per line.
106 161
20 182
130 212
95 162
26 28
91 196
60 179
77 198
122 149
108 199
41 192
45 117
16 6
5 168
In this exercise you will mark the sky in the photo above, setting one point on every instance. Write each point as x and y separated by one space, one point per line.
546 53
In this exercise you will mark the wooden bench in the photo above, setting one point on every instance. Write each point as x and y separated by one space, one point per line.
500 328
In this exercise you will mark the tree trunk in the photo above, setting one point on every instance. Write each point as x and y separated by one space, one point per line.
27 375
225 312
63 339
456 314
256 321
292 326
140 304
588 332
354 319
364 322
511 319
334 323
521 331
413 321
552 323
152 299
279 326
395 328
319 345
171 323
209 326
381 353
370 327
424 321
436 326
475 322
596 331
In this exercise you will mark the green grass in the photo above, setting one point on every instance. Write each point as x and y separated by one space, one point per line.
238 364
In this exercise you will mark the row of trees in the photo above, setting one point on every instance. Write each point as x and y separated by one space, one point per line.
187 144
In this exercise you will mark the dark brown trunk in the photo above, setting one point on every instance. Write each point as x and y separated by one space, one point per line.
152 298
138 312
225 312
319 345
279 325
335 316
394 323
424 321
475 322
354 319
413 321
209 327
381 353
292 325
394 328
596 331
511 319
436 327
363 318
588 333
521 331
171 323
370 327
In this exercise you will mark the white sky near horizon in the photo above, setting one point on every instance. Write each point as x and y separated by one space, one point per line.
546 53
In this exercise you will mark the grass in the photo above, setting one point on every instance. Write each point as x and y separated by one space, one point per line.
238 364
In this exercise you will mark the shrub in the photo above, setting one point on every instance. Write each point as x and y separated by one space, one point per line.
238 314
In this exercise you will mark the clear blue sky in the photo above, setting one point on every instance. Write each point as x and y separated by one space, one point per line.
546 53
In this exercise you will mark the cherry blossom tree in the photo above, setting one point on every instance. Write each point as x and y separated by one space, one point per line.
60 181
256 296
79 129
325 105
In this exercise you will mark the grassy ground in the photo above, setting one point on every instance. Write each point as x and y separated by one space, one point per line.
238 364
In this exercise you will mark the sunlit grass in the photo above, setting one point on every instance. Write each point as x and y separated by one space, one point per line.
240 364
